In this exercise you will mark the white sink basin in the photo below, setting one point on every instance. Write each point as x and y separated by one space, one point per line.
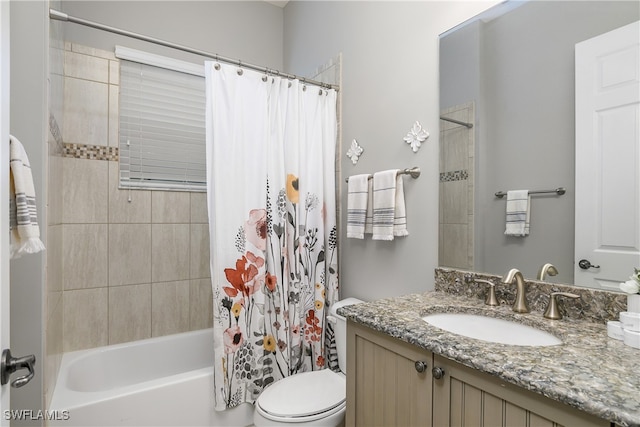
491 329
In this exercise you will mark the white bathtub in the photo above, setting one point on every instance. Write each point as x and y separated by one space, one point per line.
164 381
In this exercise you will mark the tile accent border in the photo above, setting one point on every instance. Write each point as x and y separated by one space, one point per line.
90 152
594 305
461 175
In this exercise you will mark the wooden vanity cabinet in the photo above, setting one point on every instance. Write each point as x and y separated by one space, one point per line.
468 397
384 388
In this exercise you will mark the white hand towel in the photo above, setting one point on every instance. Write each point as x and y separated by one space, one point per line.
357 200
400 217
368 222
518 212
23 221
389 217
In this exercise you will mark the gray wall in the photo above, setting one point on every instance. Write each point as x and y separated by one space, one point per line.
390 80
247 30
525 139
29 51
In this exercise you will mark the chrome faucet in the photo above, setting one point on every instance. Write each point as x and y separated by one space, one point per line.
549 269
520 304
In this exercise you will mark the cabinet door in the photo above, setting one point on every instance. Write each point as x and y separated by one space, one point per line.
383 386
467 397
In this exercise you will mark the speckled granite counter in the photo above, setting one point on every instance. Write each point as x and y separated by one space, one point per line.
589 371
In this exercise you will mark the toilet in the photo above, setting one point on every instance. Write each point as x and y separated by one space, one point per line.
316 398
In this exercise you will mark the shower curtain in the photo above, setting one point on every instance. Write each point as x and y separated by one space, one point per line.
271 197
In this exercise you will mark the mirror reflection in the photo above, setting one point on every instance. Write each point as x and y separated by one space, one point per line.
507 86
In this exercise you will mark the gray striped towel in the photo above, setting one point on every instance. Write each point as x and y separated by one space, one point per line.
23 221
389 216
518 212
358 196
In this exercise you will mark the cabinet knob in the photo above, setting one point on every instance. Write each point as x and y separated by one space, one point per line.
420 366
438 373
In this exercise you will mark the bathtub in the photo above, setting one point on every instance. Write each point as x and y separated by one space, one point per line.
164 381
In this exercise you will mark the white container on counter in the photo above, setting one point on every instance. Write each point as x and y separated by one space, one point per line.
630 321
614 330
632 339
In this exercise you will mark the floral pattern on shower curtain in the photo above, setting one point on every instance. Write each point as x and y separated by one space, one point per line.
271 196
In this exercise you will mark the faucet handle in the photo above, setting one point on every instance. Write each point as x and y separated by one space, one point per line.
552 311
491 294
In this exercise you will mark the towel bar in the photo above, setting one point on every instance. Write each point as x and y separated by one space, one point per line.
414 172
559 191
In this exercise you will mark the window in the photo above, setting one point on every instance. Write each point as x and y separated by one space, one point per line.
162 122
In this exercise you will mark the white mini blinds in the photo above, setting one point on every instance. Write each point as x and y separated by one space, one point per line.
162 122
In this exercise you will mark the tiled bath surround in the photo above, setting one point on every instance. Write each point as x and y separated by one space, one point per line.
456 188
594 305
135 262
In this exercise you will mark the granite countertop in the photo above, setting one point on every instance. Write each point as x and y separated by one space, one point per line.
589 371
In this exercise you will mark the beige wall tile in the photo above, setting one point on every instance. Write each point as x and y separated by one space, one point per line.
129 313
85 319
86 112
199 212
86 67
200 304
170 252
54 193
114 116
455 198
114 72
455 246
170 207
87 50
84 190
170 308
121 210
199 251
85 256
129 254
53 346
54 254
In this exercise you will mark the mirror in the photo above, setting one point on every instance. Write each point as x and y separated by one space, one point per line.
509 75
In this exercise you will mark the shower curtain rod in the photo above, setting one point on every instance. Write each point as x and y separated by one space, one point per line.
61 16
458 122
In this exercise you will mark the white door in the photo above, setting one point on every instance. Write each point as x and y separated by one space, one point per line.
4 196
607 211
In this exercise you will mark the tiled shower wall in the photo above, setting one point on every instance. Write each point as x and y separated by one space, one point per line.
456 188
135 262
53 305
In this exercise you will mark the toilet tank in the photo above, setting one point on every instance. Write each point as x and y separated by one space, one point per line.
340 330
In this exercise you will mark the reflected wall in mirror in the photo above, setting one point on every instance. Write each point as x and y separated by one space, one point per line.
510 73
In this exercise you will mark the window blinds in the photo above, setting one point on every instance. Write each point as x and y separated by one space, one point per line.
162 128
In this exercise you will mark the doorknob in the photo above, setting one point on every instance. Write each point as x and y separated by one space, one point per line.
10 364
585 264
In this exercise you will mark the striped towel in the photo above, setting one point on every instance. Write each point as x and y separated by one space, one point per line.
518 212
357 200
23 221
389 217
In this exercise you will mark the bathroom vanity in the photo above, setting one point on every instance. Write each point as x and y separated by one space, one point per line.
404 371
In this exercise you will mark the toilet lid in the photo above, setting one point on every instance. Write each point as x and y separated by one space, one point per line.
304 394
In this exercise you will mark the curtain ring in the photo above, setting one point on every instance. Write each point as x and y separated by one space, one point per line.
266 75
240 71
217 64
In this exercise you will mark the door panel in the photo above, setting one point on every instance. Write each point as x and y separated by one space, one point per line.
4 196
607 214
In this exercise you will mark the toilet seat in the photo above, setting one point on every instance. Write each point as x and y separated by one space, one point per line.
304 397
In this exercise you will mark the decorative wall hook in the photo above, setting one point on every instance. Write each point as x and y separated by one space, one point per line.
416 136
354 151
